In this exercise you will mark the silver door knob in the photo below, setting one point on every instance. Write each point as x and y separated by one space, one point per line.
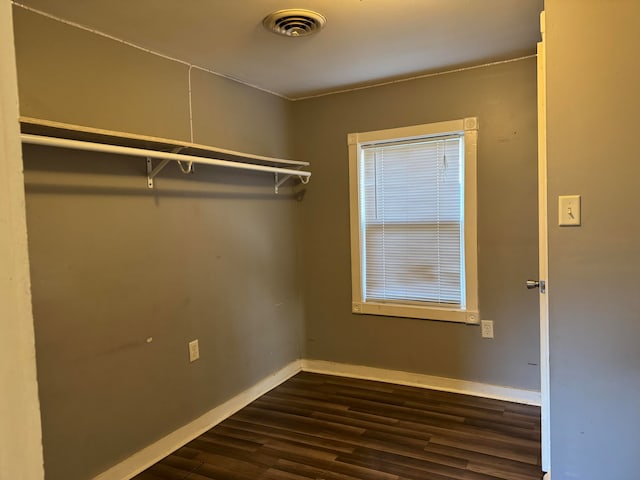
531 284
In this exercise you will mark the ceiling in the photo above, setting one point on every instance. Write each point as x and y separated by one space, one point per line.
364 41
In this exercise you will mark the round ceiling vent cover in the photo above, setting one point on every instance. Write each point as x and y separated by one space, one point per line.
294 22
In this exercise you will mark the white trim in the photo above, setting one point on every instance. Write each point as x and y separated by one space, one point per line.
20 427
543 253
407 310
146 50
356 141
190 106
411 132
408 79
94 31
234 79
509 394
150 455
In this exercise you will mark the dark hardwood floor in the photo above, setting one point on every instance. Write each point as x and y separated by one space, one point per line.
322 427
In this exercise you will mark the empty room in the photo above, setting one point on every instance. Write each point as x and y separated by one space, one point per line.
319 240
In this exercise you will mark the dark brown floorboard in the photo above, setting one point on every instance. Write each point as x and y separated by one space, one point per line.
319 427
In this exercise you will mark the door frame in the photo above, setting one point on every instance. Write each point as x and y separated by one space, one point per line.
21 434
543 254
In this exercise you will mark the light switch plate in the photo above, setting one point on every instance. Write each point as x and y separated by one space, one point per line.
569 210
194 350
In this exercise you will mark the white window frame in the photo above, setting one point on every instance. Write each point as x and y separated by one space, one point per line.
468 127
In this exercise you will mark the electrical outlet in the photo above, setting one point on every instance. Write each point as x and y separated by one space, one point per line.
487 328
194 351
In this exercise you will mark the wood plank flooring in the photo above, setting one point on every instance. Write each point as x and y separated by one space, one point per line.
321 427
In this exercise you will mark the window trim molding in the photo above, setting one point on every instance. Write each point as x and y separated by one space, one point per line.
467 126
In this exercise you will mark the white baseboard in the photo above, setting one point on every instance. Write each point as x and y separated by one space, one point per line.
148 456
528 397
156 451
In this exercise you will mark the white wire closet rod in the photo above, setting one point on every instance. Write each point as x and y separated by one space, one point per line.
165 156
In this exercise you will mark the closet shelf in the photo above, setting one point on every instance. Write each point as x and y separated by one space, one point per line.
44 132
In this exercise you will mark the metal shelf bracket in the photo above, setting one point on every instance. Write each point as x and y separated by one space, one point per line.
278 182
152 172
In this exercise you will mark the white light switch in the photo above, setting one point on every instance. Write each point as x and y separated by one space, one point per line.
194 350
569 210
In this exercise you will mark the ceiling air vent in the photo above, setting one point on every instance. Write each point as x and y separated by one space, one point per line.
294 22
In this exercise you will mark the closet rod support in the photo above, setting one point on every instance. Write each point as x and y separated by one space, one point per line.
152 172
279 182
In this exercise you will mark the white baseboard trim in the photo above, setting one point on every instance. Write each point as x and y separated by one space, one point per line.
528 397
148 456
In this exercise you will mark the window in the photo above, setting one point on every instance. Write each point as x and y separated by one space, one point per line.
413 221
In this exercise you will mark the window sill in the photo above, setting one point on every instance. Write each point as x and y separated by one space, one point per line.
416 311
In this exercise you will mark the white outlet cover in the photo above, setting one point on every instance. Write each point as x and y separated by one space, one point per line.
486 327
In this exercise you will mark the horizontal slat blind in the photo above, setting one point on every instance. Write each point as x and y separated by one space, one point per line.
411 220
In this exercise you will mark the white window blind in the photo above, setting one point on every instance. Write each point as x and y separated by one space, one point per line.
412 221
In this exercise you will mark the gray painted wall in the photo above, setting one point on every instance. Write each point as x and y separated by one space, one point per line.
70 75
503 97
593 103
216 256
209 256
